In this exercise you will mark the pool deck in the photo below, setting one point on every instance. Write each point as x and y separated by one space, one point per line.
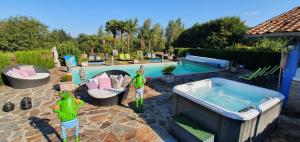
110 124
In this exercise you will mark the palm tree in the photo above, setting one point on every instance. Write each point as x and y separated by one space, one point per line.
113 27
131 27
122 28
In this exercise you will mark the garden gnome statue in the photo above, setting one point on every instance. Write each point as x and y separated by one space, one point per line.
82 75
69 66
55 57
67 108
139 82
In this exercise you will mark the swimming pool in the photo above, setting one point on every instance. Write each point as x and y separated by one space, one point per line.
152 70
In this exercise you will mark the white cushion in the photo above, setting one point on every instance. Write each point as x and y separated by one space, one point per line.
102 93
119 90
37 76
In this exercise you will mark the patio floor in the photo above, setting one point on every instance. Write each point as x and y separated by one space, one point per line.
109 124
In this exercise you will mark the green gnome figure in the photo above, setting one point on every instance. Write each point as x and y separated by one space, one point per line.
139 82
67 108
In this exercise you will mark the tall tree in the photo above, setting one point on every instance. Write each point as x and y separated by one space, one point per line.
173 30
131 28
88 43
22 33
122 28
113 27
218 33
157 37
101 32
145 33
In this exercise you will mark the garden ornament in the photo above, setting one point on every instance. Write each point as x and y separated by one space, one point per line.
69 66
25 103
139 82
55 57
8 106
67 108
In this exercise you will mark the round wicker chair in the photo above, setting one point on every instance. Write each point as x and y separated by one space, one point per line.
20 83
115 99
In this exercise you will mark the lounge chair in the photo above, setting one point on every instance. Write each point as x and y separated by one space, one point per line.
263 71
41 78
272 71
109 97
252 75
127 56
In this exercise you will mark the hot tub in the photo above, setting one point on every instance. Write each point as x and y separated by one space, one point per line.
234 111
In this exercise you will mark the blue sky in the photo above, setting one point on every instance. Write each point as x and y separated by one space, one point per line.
86 16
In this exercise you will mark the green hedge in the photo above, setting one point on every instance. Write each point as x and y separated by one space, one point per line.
5 60
41 58
252 59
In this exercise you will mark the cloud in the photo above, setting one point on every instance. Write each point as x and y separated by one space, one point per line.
251 13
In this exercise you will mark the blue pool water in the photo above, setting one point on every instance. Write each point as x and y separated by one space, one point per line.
152 70
229 97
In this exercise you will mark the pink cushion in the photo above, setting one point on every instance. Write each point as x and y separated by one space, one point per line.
23 72
28 69
104 83
92 85
31 72
15 74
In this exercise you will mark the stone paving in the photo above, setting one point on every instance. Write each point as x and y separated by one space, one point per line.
108 124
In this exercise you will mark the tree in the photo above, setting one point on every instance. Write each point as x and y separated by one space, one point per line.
122 28
173 30
157 37
22 33
58 36
113 27
88 43
101 33
218 33
145 33
131 28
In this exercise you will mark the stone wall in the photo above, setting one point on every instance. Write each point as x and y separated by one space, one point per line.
294 97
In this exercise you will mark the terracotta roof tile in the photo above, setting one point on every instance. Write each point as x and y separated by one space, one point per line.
286 22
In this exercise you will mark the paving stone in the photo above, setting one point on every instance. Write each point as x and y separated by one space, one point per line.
106 123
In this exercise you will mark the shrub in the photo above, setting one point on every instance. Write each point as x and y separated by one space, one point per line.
5 60
41 58
66 78
168 69
68 48
252 59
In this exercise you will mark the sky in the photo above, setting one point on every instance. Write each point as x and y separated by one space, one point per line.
86 16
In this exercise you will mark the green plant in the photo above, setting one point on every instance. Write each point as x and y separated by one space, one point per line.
66 78
168 69
135 55
5 60
68 48
41 58
80 60
251 59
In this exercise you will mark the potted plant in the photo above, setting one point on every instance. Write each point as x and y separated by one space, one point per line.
234 67
84 62
168 77
135 57
66 83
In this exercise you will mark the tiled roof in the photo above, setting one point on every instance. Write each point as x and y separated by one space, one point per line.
288 22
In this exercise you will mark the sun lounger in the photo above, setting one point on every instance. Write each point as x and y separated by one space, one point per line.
127 56
252 75
273 70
